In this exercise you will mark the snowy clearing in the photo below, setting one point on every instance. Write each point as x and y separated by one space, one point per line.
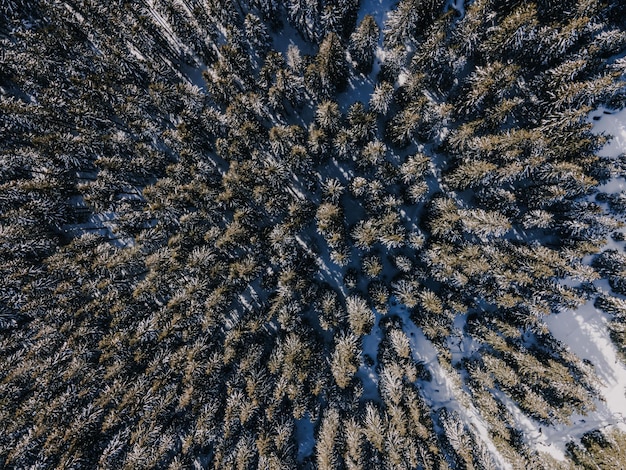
585 332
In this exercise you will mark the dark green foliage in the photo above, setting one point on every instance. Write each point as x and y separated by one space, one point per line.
328 74
612 265
363 44
313 18
410 19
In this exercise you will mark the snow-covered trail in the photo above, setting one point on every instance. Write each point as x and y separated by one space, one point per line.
165 27
444 390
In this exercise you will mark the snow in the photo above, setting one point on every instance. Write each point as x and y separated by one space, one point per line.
610 123
533 433
444 389
304 437
328 271
361 86
194 75
585 332
367 373
461 345
166 28
458 5
288 36
135 52
377 8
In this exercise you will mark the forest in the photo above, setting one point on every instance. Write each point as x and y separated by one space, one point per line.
317 234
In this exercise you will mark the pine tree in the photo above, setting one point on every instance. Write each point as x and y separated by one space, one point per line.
328 116
362 124
360 315
363 42
328 74
344 359
381 98
409 19
305 16
256 33
327 440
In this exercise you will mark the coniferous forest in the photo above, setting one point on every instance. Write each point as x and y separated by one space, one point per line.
319 234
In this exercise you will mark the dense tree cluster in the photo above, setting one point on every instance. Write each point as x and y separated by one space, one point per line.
209 247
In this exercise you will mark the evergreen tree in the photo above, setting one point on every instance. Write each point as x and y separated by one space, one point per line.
328 74
381 98
363 42
409 19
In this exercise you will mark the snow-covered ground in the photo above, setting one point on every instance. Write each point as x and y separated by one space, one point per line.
367 372
585 332
610 123
305 436
445 389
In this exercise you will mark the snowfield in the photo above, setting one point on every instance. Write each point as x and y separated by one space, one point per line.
585 332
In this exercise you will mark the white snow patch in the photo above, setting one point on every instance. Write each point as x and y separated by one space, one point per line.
461 345
534 434
402 78
610 123
585 332
613 186
135 52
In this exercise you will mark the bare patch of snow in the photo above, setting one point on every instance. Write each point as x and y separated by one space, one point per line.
610 123
461 345
533 434
585 332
